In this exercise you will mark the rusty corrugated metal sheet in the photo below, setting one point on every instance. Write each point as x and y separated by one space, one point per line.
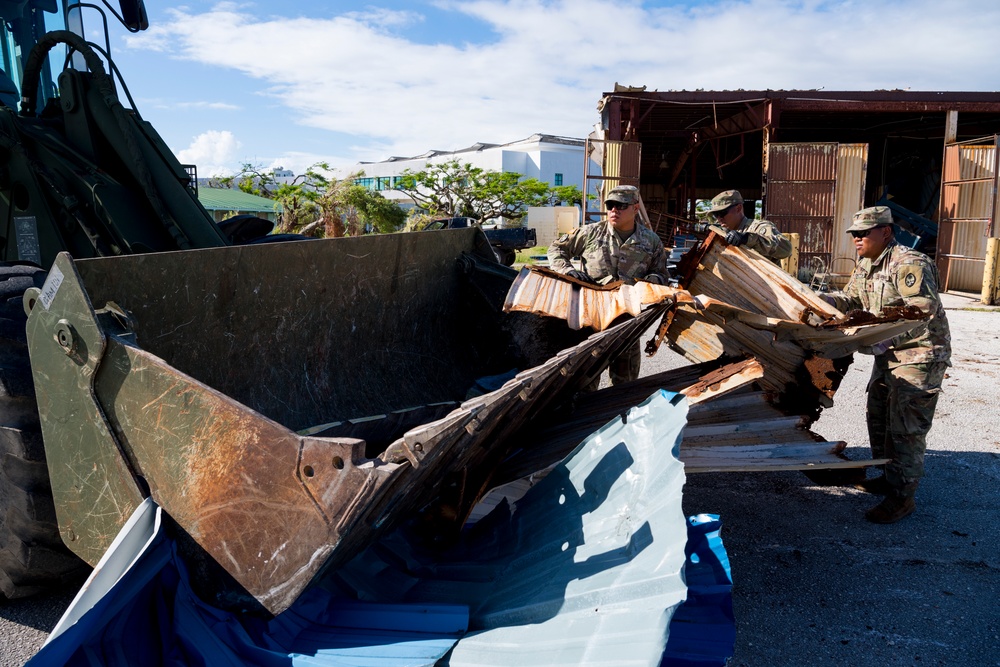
541 290
967 211
802 162
852 169
731 427
801 190
760 311
757 286
621 164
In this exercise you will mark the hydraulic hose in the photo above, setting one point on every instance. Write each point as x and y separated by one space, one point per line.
29 99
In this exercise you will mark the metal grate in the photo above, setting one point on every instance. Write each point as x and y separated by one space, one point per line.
192 172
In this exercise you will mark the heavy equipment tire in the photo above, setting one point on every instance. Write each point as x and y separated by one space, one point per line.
32 555
506 256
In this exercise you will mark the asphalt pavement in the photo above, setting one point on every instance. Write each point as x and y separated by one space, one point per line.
813 582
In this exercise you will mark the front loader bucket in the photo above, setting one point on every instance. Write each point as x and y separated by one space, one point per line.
288 403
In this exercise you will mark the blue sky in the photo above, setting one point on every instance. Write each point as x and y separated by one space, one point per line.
293 83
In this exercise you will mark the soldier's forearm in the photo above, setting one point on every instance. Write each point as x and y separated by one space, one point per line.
559 263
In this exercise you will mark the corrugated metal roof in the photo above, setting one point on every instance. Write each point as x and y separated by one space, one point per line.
586 568
224 199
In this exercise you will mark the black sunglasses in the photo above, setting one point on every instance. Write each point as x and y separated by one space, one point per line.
613 205
718 215
864 232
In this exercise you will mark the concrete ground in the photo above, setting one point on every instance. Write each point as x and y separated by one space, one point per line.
814 583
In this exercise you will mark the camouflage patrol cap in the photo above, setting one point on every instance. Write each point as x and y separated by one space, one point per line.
870 218
725 199
626 194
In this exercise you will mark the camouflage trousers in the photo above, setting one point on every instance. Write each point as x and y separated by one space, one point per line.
623 368
901 404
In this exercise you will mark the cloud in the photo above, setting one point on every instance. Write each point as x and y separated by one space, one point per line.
541 66
297 162
200 105
213 151
214 106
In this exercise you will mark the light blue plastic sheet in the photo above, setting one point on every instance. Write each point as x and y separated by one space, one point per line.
587 568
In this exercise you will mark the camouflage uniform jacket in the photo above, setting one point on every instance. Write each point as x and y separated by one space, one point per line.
764 237
605 257
901 276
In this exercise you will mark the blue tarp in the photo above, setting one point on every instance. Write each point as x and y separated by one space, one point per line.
588 567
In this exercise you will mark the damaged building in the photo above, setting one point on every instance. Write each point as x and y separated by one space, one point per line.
809 159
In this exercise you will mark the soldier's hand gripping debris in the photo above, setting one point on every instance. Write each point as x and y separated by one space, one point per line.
654 278
735 238
579 275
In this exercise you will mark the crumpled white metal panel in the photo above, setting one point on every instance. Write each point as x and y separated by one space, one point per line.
600 553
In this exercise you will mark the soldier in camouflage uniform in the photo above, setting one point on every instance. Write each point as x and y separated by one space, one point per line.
906 379
622 248
739 230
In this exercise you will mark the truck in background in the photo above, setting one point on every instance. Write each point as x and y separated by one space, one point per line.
505 241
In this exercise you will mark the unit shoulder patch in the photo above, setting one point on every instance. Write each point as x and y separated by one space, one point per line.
910 280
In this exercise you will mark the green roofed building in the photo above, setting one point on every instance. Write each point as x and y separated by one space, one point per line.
223 203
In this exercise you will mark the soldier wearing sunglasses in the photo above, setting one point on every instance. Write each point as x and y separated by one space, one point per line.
621 248
908 371
739 230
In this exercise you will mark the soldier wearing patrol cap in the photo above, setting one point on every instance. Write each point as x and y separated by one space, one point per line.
908 370
739 230
620 248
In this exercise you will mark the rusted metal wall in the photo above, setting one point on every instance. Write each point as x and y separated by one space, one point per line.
801 185
620 162
968 213
852 170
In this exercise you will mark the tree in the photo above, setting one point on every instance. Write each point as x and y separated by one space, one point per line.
374 210
314 205
451 189
349 209
299 199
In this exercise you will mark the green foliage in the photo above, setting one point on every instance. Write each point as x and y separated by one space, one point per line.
417 220
374 210
315 205
528 255
453 188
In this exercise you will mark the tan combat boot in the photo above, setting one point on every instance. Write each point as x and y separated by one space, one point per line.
896 505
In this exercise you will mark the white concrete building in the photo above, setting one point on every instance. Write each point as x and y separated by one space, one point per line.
551 159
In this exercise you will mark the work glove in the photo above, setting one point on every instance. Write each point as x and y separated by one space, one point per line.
579 275
878 348
735 238
828 298
654 278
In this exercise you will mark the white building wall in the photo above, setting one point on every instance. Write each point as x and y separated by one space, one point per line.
551 222
570 165
534 157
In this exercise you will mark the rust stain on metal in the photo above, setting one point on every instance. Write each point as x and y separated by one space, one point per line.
545 271
890 314
653 345
690 261
825 374
713 381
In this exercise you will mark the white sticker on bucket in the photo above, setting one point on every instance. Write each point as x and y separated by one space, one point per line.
51 287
